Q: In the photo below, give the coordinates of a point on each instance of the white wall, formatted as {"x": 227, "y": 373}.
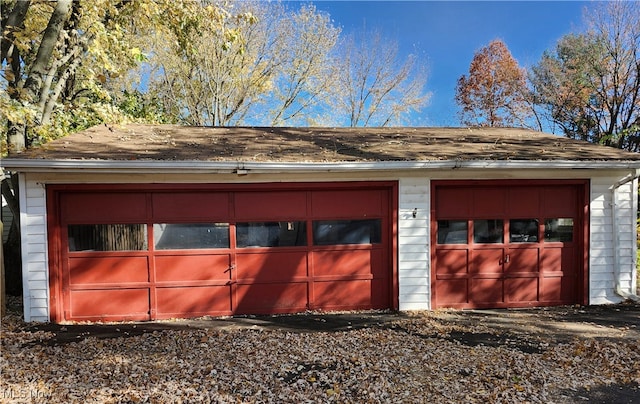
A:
{"x": 613, "y": 239}
{"x": 413, "y": 244}
{"x": 35, "y": 274}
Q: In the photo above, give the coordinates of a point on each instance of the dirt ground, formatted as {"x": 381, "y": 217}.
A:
{"x": 561, "y": 324}
{"x": 526, "y": 332}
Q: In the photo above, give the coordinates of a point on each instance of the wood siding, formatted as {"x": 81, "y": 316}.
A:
{"x": 413, "y": 244}
{"x": 35, "y": 278}
{"x": 605, "y": 250}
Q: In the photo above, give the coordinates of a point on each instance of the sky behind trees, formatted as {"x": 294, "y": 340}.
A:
{"x": 445, "y": 35}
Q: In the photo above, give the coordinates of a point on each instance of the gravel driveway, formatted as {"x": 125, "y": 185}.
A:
{"x": 555, "y": 355}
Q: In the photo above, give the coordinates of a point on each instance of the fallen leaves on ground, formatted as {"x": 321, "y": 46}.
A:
{"x": 412, "y": 359}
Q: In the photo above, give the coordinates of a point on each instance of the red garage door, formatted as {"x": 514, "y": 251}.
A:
{"x": 163, "y": 253}
{"x": 508, "y": 244}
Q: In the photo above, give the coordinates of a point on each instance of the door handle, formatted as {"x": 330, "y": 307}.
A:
{"x": 507, "y": 259}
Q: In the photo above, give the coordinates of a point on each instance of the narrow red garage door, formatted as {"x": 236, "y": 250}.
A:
{"x": 185, "y": 252}
{"x": 508, "y": 244}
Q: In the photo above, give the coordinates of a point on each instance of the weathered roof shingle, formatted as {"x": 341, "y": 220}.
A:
{"x": 274, "y": 144}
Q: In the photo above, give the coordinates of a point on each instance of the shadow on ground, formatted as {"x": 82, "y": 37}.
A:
{"x": 561, "y": 323}
{"x": 611, "y": 394}
{"x": 515, "y": 327}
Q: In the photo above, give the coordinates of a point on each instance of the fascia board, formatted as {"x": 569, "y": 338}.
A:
{"x": 198, "y": 166}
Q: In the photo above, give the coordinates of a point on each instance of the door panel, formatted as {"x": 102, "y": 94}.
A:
{"x": 486, "y": 261}
{"x": 269, "y": 205}
{"x": 558, "y": 259}
{"x": 560, "y": 201}
{"x": 523, "y": 201}
{"x": 111, "y": 207}
{"x": 353, "y": 204}
{"x": 560, "y": 289}
{"x": 271, "y": 266}
{"x": 271, "y": 298}
{"x": 347, "y": 262}
{"x": 486, "y": 291}
{"x": 453, "y": 203}
{"x": 452, "y": 292}
{"x": 193, "y": 268}
{"x": 519, "y": 290}
{"x": 452, "y": 262}
{"x": 109, "y": 305}
{"x": 522, "y": 260}
{"x": 193, "y": 301}
{"x": 178, "y": 206}
{"x": 342, "y": 294}
{"x": 99, "y": 270}
{"x": 489, "y": 202}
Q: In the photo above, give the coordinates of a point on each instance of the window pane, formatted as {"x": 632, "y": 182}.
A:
{"x": 107, "y": 237}
{"x": 271, "y": 234}
{"x": 558, "y": 230}
{"x": 523, "y": 231}
{"x": 452, "y": 232}
{"x": 488, "y": 231}
{"x": 190, "y": 236}
{"x": 329, "y": 232}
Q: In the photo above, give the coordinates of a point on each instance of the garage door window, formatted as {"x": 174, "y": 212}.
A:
{"x": 452, "y": 232}
{"x": 558, "y": 230}
{"x": 331, "y": 232}
{"x": 190, "y": 236}
{"x": 107, "y": 237}
{"x": 488, "y": 231}
{"x": 271, "y": 234}
{"x": 523, "y": 230}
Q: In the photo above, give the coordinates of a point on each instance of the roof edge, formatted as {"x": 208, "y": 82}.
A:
{"x": 243, "y": 167}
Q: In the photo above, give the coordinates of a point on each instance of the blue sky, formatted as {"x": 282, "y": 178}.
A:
{"x": 445, "y": 35}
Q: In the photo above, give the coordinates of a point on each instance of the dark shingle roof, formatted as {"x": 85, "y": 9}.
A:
{"x": 274, "y": 144}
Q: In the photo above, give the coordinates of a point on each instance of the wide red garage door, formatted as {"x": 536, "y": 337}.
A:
{"x": 513, "y": 244}
{"x": 183, "y": 251}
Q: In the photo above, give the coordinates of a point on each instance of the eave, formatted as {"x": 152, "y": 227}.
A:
{"x": 243, "y": 167}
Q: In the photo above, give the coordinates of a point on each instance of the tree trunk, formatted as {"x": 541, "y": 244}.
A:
{"x": 40, "y": 65}
{"x": 17, "y": 140}
{"x": 15, "y": 20}
{"x": 16, "y": 137}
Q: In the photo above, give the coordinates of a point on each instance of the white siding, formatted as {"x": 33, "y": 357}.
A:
{"x": 612, "y": 240}
{"x": 35, "y": 276}
{"x": 413, "y": 244}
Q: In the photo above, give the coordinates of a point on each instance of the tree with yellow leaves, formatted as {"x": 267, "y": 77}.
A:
{"x": 59, "y": 58}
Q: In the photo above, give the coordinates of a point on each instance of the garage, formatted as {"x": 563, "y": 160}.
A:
{"x": 508, "y": 243}
{"x": 140, "y": 253}
{"x": 150, "y": 222}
